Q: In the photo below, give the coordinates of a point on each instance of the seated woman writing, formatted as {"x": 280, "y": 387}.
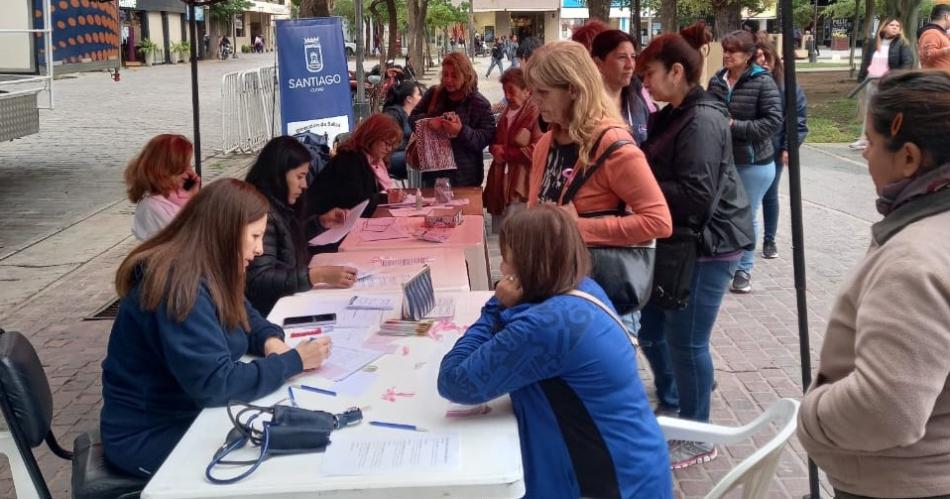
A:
{"x": 280, "y": 174}
{"x": 358, "y": 170}
{"x": 183, "y": 325}
{"x": 585, "y": 422}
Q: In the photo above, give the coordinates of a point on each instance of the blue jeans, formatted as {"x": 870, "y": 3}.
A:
{"x": 676, "y": 342}
{"x": 632, "y": 322}
{"x": 770, "y": 206}
{"x": 756, "y": 179}
{"x": 495, "y": 62}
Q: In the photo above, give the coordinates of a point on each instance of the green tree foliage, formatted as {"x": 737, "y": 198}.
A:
{"x": 225, "y": 11}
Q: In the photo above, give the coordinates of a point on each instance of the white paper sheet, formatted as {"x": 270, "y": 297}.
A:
{"x": 334, "y": 234}
{"x": 403, "y": 450}
{"x": 345, "y": 361}
{"x": 358, "y": 318}
{"x": 355, "y": 385}
{"x": 371, "y": 303}
{"x": 444, "y": 308}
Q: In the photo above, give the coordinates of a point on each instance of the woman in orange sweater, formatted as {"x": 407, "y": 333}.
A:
{"x": 621, "y": 203}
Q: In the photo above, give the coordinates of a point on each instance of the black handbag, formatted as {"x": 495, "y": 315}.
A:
{"x": 624, "y": 272}
{"x": 676, "y": 258}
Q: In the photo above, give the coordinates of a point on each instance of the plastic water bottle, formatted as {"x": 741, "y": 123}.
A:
{"x": 443, "y": 190}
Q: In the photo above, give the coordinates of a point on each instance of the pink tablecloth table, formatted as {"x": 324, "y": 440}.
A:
{"x": 390, "y": 268}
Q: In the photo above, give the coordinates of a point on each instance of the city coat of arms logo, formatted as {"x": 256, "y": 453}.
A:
{"x": 313, "y": 53}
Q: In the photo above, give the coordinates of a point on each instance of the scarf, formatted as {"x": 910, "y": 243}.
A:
{"x": 897, "y": 193}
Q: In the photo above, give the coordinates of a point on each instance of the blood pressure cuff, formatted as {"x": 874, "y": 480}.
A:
{"x": 294, "y": 430}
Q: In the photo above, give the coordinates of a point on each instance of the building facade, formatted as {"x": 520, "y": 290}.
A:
{"x": 524, "y": 18}
{"x": 163, "y": 22}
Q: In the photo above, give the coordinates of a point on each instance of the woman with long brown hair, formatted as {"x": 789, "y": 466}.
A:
{"x": 183, "y": 325}
{"x": 358, "y": 171}
{"x": 463, "y": 114}
{"x": 160, "y": 180}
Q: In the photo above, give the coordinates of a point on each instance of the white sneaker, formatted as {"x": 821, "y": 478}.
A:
{"x": 859, "y": 144}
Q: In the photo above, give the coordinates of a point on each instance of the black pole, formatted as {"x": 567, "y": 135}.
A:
{"x": 193, "y": 29}
{"x": 795, "y": 194}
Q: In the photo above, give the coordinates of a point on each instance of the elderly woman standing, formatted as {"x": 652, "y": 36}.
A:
{"x": 620, "y": 204}
{"x": 518, "y": 131}
{"x": 755, "y": 109}
{"x": 464, "y": 114}
{"x": 877, "y": 416}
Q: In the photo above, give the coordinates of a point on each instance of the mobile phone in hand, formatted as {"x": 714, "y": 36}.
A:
{"x": 189, "y": 184}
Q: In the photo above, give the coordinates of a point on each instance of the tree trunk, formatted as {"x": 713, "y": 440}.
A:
{"x": 417, "y": 34}
{"x": 393, "y": 28}
{"x": 429, "y": 62}
{"x": 908, "y": 12}
{"x": 727, "y": 19}
{"x": 599, "y": 9}
{"x": 668, "y": 16}
{"x": 635, "y": 22}
{"x": 316, "y": 8}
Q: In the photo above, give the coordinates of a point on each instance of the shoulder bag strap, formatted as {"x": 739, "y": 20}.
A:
{"x": 579, "y": 180}
{"x": 715, "y": 204}
{"x": 613, "y": 315}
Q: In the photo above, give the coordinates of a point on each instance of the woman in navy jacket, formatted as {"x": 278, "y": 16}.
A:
{"x": 183, "y": 325}
{"x": 585, "y": 423}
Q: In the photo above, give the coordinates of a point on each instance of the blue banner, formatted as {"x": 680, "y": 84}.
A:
{"x": 314, "y": 83}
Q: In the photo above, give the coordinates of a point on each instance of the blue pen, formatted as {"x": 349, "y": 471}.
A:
{"x": 316, "y": 390}
{"x": 397, "y": 426}
{"x": 290, "y": 392}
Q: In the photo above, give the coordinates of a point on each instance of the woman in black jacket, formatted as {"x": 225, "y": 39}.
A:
{"x": 464, "y": 114}
{"x": 755, "y": 109}
{"x": 689, "y": 148}
{"x": 885, "y": 52}
{"x": 280, "y": 174}
{"x": 400, "y": 102}
{"x": 358, "y": 171}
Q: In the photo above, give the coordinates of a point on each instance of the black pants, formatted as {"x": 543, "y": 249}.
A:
{"x": 839, "y": 494}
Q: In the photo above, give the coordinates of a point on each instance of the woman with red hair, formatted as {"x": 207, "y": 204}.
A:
{"x": 358, "y": 171}
{"x": 160, "y": 180}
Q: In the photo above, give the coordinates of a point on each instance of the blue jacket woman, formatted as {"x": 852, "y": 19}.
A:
{"x": 585, "y": 423}
{"x": 183, "y": 323}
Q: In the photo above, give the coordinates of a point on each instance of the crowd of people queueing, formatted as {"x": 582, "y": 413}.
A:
{"x": 582, "y": 158}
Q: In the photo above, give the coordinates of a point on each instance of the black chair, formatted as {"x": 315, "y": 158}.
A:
{"x": 27, "y": 406}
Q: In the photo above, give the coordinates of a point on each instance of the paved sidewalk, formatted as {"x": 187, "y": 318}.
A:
{"x": 755, "y": 344}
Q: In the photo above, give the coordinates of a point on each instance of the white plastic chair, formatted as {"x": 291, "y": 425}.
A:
{"x": 755, "y": 472}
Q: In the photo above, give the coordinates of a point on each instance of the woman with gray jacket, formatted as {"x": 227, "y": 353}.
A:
{"x": 755, "y": 110}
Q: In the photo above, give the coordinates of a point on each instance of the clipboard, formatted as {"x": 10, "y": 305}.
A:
{"x": 418, "y": 295}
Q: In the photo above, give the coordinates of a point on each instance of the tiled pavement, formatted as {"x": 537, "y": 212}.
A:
{"x": 755, "y": 344}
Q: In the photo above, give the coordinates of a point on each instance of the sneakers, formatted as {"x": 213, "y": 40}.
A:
{"x": 741, "y": 282}
{"x": 859, "y": 144}
{"x": 769, "y": 250}
{"x": 684, "y": 453}
{"x": 665, "y": 410}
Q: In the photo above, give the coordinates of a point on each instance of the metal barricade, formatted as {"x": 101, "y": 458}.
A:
{"x": 255, "y": 121}
{"x": 271, "y": 98}
{"x": 232, "y": 115}
{"x": 250, "y": 113}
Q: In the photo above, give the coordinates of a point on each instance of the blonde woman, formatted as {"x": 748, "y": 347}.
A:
{"x": 619, "y": 203}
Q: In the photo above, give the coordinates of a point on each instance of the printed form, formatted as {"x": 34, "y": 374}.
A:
{"x": 403, "y": 451}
